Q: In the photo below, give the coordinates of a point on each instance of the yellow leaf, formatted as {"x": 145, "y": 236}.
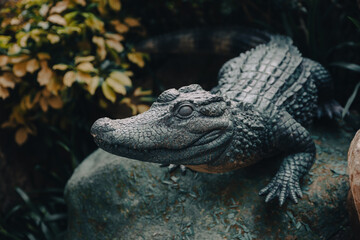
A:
{"x": 128, "y": 103}
{"x": 43, "y": 56}
{"x": 59, "y": 7}
{"x": 121, "y": 78}
{"x": 18, "y": 59}
{"x": 57, "y": 19}
{"x": 21, "y": 136}
{"x": 3, "y": 60}
{"x": 60, "y": 66}
{"x": 45, "y": 74}
{"x": 46, "y": 93}
{"x": 19, "y": 69}
{"x": 55, "y": 102}
{"x": 17, "y": 115}
{"x": 37, "y": 98}
{"x": 94, "y": 23}
{"x": 117, "y": 46}
{"x": 53, "y": 86}
{"x": 4, "y": 93}
{"x": 85, "y": 67}
{"x": 22, "y": 38}
{"x": 142, "y": 108}
{"x": 117, "y": 86}
{"x": 43, "y": 104}
{"x": 81, "y": 2}
{"x": 8, "y": 124}
{"x": 119, "y": 27}
{"x": 14, "y": 49}
{"x": 83, "y": 77}
{"x": 115, "y": 5}
{"x": 32, "y": 65}
{"x": 100, "y": 43}
{"x": 12, "y": 77}
{"x": 7, "y": 80}
{"x": 101, "y": 7}
{"x": 36, "y": 34}
{"x": 84, "y": 59}
{"x": 132, "y": 22}
{"x": 124, "y": 65}
{"x": 6, "y": 68}
{"x": 69, "y": 30}
{"x": 30, "y": 104}
{"x": 140, "y": 92}
{"x": 43, "y": 25}
{"x": 136, "y": 58}
{"x": 108, "y": 92}
{"x": 103, "y": 103}
{"x": 4, "y": 40}
{"x": 44, "y": 9}
{"x": 129, "y": 73}
{"x": 69, "y": 78}
{"x": 15, "y": 21}
{"x": 114, "y": 36}
{"x": 53, "y": 38}
{"x": 93, "y": 85}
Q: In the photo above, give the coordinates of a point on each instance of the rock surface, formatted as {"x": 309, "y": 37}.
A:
{"x": 111, "y": 197}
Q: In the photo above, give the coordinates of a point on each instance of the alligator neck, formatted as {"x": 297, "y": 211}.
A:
{"x": 249, "y": 135}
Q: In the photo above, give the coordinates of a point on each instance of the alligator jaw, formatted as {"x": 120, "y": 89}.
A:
{"x": 203, "y": 148}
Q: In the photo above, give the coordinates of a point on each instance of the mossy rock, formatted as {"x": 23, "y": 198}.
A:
{"x": 111, "y": 197}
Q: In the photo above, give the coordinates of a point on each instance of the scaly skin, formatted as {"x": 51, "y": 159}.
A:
{"x": 264, "y": 98}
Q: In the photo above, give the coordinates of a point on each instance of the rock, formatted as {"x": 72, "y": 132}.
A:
{"x": 354, "y": 177}
{"x": 111, "y": 197}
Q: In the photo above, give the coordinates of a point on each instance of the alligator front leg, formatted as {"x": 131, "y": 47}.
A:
{"x": 294, "y": 140}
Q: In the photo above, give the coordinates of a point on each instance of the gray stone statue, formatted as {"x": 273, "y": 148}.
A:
{"x": 259, "y": 109}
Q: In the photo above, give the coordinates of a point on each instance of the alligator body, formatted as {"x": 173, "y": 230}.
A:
{"x": 259, "y": 109}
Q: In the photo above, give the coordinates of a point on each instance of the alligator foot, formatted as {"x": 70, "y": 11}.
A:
{"x": 330, "y": 108}
{"x": 173, "y": 167}
{"x": 282, "y": 186}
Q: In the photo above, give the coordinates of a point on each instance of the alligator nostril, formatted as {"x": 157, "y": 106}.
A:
{"x": 101, "y": 125}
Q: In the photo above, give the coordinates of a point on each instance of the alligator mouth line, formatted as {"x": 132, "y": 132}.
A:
{"x": 204, "y": 139}
{"x": 207, "y": 138}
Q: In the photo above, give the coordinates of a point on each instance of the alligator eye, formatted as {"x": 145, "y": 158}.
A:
{"x": 185, "y": 111}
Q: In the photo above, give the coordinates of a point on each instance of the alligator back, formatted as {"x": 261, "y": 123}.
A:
{"x": 271, "y": 76}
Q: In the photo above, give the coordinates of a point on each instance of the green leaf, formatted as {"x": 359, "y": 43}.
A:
{"x": 69, "y": 17}
{"x": 55, "y": 217}
{"x": 350, "y": 100}
{"x": 23, "y": 195}
{"x": 108, "y": 92}
{"x": 356, "y": 22}
{"x": 346, "y": 65}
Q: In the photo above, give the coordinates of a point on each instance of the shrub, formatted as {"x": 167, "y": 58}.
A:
{"x": 49, "y": 47}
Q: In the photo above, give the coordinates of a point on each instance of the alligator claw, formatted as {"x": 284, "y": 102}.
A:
{"x": 330, "y": 108}
{"x": 282, "y": 187}
{"x": 173, "y": 167}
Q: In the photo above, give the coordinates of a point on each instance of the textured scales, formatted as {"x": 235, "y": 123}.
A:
{"x": 258, "y": 110}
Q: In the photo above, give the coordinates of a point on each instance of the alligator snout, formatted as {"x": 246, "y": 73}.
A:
{"x": 102, "y": 125}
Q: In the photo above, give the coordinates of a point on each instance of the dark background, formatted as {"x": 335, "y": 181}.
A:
{"x": 33, "y": 176}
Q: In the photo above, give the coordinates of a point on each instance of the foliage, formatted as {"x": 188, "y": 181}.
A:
{"x": 41, "y": 217}
{"x": 46, "y": 47}
{"x": 352, "y": 67}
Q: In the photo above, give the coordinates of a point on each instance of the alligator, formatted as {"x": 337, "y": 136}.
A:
{"x": 264, "y": 99}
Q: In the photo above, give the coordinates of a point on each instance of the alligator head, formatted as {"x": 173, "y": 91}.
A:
{"x": 185, "y": 126}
